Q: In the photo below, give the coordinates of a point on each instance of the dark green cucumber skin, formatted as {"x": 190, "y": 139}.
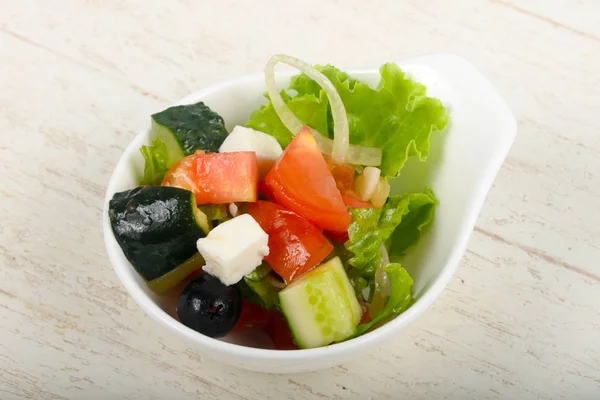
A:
{"x": 155, "y": 227}
{"x": 195, "y": 126}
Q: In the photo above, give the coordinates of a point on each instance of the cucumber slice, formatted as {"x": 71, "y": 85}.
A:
{"x": 157, "y": 228}
{"x": 174, "y": 277}
{"x": 188, "y": 128}
{"x": 321, "y": 306}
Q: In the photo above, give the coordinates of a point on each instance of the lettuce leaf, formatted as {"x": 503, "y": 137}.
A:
{"x": 311, "y": 109}
{"x": 215, "y": 212}
{"x": 255, "y": 288}
{"x": 401, "y": 219}
{"x": 397, "y": 117}
{"x": 259, "y": 272}
{"x": 156, "y": 157}
{"x": 358, "y": 282}
{"x": 264, "y": 294}
{"x": 421, "y": 210}
{"x": 400, "y": 296}
{"x": 369, "y": 229}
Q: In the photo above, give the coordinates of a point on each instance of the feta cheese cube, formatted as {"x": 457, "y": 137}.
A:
{"x": 265, "y": 146}
{"x": 234, "y": 249}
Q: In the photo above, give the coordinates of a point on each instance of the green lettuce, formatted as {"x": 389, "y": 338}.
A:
{"x": 358, "y": 282}
{"x": 396, "y": 117}
{"x": 310, "y": 109}
{"x": 156, "y": 157}
{"x": 215, "y": 214}
{"x": 399, "y": 222}
{"x": 421, "y": 210}
{"x": 400, "y": 296}
{"x": 256, "y": 288}
{"x": 264, "y": 294}
{"x": 259, "y": 272}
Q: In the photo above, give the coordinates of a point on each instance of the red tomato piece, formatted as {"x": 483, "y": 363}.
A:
{"x": 265, "y": 191}
{"x": 351, "y": 201}
{"x": 252, "y": 316}
{"x": 365, "y": 317}
{"x": 340, "y": 237}
{"x": 343, "y": 174}
{"x": 295, "y": 245}
{"x": 279, "y": 332}
{"x": 216, "y": 178}
{"x": 264, "y": 165}
{"x": 301, "y": 182}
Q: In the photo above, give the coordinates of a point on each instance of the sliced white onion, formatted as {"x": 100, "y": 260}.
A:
{"x": 385, "y": 257}
{"x": 272, "y": 281}
{"x": 339, "y": 148}
{"x": 357, "y": 155}
{"x": 382, "y": 285}
{"x": 233, "y": 209}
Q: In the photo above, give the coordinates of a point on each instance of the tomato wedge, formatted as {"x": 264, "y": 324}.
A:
{"x": 343, "y": 174}
{"x": 265, "y": 191}
{"x": 216, "y": 178}
{"x": 352, "y": 201}
{"x": 301, "y": 182}
{"x": 295, "y": 245}
{"x": 279, "y": 332}
{"x": 340, "y": 237}
{"x": 252, "y": 316}
{"x": 365, "y": 316}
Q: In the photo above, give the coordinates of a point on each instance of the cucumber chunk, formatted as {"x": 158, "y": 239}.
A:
{"x": 321, "y": 306}
{"x": 188, "y": 128}
{"x": 157, "y": 228}
{"x": 166, "y": 282}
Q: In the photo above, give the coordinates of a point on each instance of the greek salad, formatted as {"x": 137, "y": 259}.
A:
{"x": 284, "y": 224}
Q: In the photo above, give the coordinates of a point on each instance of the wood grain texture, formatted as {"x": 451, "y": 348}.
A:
{"x": 521, "y": 318}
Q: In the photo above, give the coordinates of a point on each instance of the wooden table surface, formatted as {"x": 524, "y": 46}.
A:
{"x": 78, "y": 79}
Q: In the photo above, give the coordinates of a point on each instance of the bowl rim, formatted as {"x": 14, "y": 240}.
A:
{"x": 365, "y": 341}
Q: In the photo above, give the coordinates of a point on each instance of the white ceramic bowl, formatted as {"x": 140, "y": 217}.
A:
{"x": 462, "y": 165}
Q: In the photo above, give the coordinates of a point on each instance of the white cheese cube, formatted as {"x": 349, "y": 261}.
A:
{"x": 234, "y": 249}
{"x": 265, "y": 146}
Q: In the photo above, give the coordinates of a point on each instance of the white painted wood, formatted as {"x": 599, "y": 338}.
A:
{"x": 521, "y": 319}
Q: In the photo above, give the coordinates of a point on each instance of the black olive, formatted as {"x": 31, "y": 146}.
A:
{"x": 208, "y": 306}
